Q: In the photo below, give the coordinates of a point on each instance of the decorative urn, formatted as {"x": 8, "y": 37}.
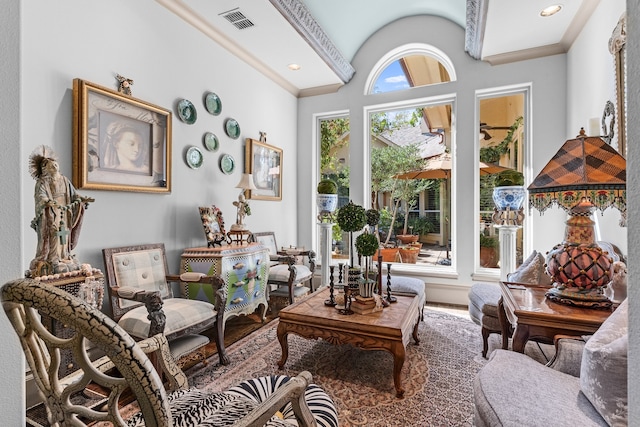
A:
{"x": 327, "y": 197}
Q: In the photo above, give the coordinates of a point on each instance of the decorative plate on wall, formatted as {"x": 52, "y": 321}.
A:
{"x": 213, "y": 103}
{"x": 232, "y": 128}
{"x": 227, "y": 164}
{"x": 210, "y": 141}
{"x": 187, "y": 112}
{"x": 194, "y": 157}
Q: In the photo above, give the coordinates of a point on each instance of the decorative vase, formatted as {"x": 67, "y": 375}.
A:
{"x": 367, "y": 288}
{"x": 327, "y": 203}
{"x": 354, "y": 277}
{"x": 509, "y": 197}
{"x": 409, "y": 255}
{"x": 388, "y": 254}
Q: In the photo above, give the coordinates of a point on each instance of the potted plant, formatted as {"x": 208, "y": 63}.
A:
{"x": 327, "y": 197}
{"x": 350, "y": 218}
{"x": 367, "y": 244}
{"x": 489, "y": 251}
{"x": 508, "y": 190}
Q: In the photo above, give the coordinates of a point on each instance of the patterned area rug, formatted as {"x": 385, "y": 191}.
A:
{"x": 437, "y": 374}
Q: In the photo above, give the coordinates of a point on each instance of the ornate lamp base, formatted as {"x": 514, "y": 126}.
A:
{"x": 569, "y": 296}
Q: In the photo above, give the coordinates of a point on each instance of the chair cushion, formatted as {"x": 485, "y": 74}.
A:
{"x": 180, "y": 313}
{"x": 320, "y": 404}
{"x": 512, "y": 389}
{"x": 280, "y": 273}
{"x": 187, "y": 344}
{"x": 194, "y": 407}
{"x": 406, "y": 285}
{"x": 531, "y": 271}
{"x": 483, "y": 301}
{"x": 603, "y": 373}
{"x": 144, "y": 269}
{"x": 283, "y": 291}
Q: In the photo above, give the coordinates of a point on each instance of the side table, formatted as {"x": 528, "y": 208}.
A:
{"x": 534, "y": 316}
{"x": 244, "y": 268}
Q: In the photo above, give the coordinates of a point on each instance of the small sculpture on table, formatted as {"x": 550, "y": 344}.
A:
{"x": 58, "y": 217}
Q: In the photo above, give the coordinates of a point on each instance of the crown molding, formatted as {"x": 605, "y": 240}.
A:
{"x": 299, "y": 17}
{"x": 474, "y": 31}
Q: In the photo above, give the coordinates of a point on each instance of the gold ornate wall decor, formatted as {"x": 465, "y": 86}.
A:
{"x": 617, "y": 47}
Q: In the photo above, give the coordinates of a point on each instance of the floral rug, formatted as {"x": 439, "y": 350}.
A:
{"x": 437, "y": 374}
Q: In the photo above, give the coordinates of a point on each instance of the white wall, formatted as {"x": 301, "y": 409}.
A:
{"x": 45, "y": 45}
{"x": 11, "y": 221}
{"x": 589, "y": 61}
{"x": 546, "y": 75}
{"x": 168, "y": 60}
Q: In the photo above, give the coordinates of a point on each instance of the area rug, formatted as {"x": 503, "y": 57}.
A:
{"x": 437, "y": 374}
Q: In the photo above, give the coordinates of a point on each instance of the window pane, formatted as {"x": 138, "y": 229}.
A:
{"x": 411, "y": 71}
{"x": 410, "y": 180}
{"x": 501, "y": 135}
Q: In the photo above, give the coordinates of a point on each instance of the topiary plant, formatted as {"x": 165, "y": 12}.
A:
{"x": 367, "y": 244}
{"x": 351, "y": 217}
{"x": 373, "y": 217}
{"x": 509, "y": 177}
{"x": 327, "y": 186}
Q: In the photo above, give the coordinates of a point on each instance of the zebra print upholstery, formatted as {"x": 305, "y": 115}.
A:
{"x": 24, "y": 300}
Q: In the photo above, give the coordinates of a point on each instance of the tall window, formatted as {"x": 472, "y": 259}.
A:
{"x": 501, "y": 145}
{"x": 411, "y": 172}
{"x": 334, "y": 165}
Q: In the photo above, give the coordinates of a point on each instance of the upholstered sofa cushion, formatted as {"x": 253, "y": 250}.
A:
{"x": 512, "y": 389}
{"x": 603, "y": 373}
{"x": 405, "y": 285}
{"x": 531, "y": 271}
{"x": 181, "y": 314}
{"x": 483, "y": 300}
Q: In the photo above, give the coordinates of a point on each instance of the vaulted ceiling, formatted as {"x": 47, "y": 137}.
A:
{"x": 322, "y": 36}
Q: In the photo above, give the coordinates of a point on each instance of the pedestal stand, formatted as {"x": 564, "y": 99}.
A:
{"x": 325, "y": 251}
{"x": 507, "y": 222}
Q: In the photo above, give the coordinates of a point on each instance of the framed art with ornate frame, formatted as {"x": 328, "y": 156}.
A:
{"x": 120, "y": 143}
{"x": 264, "y": 162}
{"x": 617, "y": 47}
{"x": 213, "y": 224}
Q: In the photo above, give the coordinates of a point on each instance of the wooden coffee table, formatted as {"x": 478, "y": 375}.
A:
{"x": 534, "y": 316}
{"x": 389, "y": 329}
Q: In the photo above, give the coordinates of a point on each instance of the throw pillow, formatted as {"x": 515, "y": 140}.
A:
{"x": 531, "y": 271}
{"x": 603, "y": 373}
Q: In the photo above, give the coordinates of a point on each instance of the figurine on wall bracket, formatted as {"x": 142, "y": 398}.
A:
{"x": 59, "y": 210}
{"x": 124, "y": 85}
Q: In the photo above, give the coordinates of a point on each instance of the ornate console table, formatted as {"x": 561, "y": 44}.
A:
{"x": 244, "y": 268}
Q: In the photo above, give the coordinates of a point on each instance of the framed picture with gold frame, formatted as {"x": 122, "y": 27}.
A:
{"x": 264, "y": 162}
{"x": 120, "y": 143}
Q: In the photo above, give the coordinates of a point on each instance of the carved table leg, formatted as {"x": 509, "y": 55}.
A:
{"x": 520, "y": 338}
{"x": 398, "y": 352}
{"x": 284, "y": 344}
{"x": 415, "y": 330}
{"x": 504, "y": 324}
{"x": 219, "y": 337}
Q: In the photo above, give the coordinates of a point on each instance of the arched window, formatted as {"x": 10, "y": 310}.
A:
{"x": 408, "y": 66}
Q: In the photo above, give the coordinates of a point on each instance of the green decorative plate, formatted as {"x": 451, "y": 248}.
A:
{"x": 213, "y": 103}
{"x": 210, "y": 141}
{"x": 187, "y": 112}
{"x": 227, "y": 164}
{"x": 194, "y": 157}
{"x": 232, "y": 128}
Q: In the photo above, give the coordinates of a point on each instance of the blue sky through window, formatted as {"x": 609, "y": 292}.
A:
{"x": 391, "y": 79}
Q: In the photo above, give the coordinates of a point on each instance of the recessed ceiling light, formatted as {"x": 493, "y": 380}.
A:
{"x": 551, "y": 10}
{"x": 294, "y": 67}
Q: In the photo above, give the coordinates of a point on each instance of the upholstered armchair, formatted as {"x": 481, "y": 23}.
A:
{"x": 143, "y": 303}
{"x": 126, "y": 366}
{"x": 288, "y": 270}
{"x": 514, "y": 390}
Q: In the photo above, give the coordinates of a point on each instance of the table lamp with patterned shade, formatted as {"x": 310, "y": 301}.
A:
{"x": 584, "y": 175}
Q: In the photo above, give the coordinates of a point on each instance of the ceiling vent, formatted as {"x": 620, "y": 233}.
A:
{"x": 237, "y": 18}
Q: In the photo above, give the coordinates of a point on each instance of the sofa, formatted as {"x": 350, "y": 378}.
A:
{"x": 584, "y": 385}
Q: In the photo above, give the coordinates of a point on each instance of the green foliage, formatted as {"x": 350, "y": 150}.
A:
{"x": 488, "y": 241}
{"x": 508, "y": 177}
{"x": 351, "y": 217}
{"x": 367, "y": 244}
{"x": 327, "y": 186}
{"x": 492, "y": 154}
{"x": 332, "y": 138}
{"x": 373, "y": 217}
{"x": 421, "y": 225}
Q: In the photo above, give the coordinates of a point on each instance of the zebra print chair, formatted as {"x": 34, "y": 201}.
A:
{"x": 126, "y": 366}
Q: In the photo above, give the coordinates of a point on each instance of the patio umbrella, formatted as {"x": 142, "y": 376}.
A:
{"x": 439, "y": 167}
